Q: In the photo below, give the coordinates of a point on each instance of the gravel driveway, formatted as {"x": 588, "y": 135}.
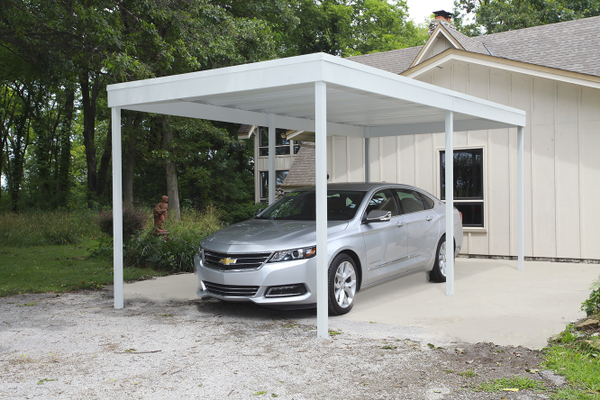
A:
{"x": 76, "y": 346}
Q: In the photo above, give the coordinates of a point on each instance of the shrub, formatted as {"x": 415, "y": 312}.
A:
{"x": 175, "y": 253}
{"x": 134, "y": 220}
{"x": 591, "y": 306}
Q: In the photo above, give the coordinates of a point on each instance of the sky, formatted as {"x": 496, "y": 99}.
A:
{"x": 418, "y": 10}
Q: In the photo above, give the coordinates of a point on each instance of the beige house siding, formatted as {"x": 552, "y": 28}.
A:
{"x": 562, "y": 162}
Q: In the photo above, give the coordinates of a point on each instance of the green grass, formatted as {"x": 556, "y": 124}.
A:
{"x": 506, "y": 384}
{"x": 57, "y": 269}
{"x": 468, "y": 373}
{"x": 52, "y": 251}
{"x": 38, "y": 228}
{"x": 571, "y": 357}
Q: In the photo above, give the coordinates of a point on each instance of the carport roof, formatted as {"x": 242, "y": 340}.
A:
{"x": 358, "y": 97}
{"x": 318, "y": 93}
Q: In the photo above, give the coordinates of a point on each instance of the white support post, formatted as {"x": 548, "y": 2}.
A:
{"x": 520, "y": 200}
{"x": 321, "y": 203}
{"x": 272, "y": 178}
{"x": 367, "y": 158}
{"x": 449, "y": 178}
{"x": 117, "y": 170}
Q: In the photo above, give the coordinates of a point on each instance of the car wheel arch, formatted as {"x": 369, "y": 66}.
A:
{"x": 357, "y": 262}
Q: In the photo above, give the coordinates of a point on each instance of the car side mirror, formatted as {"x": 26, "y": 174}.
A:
{"x": 379, "y": 216}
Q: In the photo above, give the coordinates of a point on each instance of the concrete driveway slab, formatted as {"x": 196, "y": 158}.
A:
{"x": 493, "y": 301}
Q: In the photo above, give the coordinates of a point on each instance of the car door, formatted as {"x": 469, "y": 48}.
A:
{"x": 385, "y": 241}
{"x": 422, "y": 225}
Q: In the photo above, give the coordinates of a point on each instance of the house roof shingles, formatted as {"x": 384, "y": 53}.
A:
{"x": 571, "y": 46}
{"x": 302, "y": 172}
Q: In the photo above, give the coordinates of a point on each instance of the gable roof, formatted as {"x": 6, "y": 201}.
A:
{"x": 441, "y": 29}
{"x": 571, "y": 46}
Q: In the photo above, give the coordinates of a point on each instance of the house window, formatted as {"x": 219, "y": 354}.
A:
{"x": 282, "y": 145}
{"x": 468, "y": 185}
{"x": 264, "y": 182}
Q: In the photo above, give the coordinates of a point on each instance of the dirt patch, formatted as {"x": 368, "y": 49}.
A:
{"x": 78, "y": 346}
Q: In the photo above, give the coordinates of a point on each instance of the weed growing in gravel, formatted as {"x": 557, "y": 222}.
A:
{"x": 468, "y": 373}
{"x": 42, "y": 381}
{"x": 515, "y": 383}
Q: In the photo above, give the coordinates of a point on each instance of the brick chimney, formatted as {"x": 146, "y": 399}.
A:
{"x": 444, "y": 15}
{"x": 441, "y": 17}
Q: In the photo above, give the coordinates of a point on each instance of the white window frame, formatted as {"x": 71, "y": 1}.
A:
{"x": 484, "y": 201}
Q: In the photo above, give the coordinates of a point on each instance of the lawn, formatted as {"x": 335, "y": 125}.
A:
{"x": 59, "y": 268}
{"x": 61, "y": 251}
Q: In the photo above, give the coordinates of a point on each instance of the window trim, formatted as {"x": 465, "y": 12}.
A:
{"x": 290, "y": 145}
{"x": 260, "y": 173}
{"x": 484, "y": 201}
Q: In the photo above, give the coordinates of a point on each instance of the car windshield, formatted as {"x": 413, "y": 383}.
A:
{"x": 300, "y": 205}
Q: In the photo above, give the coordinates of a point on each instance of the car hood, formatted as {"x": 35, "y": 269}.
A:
{"x": 268, "y": 235}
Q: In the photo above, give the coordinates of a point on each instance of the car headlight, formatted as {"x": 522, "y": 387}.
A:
{"x": 296, "y": 254}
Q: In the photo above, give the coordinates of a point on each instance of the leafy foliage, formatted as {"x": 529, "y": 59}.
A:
{"x": 352, "y": 27}
{"x": 493, "y": 16}
{"x": 173, "y": 254}
{"x": 57, "y": 56}
{"x": 134, "y": 220}
{"x": 591, "y": 305}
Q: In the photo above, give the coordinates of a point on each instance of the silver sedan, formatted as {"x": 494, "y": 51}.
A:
{"x": 376, "y": 232}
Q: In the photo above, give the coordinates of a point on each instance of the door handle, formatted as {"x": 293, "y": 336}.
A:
{"x": 400, "y": 224}
{"x": 429, "y": 218}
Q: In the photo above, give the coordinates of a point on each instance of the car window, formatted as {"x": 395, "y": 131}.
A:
{"x": 300, "y": 205}
{"x": 428, "y": 201}
{"x": 410, "y": 201}
{"x": 383, "y": 200}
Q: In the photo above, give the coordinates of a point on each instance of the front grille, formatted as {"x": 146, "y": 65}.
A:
{"x": 234, "y": 261}
{"x": 230, "y": 290}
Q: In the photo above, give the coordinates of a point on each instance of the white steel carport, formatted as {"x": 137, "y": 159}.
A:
{"x": 318, "y": 93}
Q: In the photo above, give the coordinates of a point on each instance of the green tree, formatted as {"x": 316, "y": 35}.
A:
{"x": 352, "y": 27}
{"x": 492, "y": 16}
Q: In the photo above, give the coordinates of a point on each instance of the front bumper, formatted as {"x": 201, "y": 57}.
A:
{"x": 252, "y": 285}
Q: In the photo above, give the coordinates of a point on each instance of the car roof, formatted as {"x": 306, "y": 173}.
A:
{"x": 367, "y": 187}
{"x": 359, "y": 186}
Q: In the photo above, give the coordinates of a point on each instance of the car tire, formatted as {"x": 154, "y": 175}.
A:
{"x": 342, "y": 283}
{"x": 438, "y": 272}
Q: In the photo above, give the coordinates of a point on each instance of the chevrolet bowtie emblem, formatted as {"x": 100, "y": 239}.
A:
{"x": 228, "y": 261}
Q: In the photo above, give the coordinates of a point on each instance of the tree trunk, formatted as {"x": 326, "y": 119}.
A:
{"x": 172, "y": 188}
{"x": 64, "y": 159}
{"x": 2, "y": 145}
{"x": 89, "y": 121}
{"x": 105, "y": 162}
{"x": 131, "y": 125}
